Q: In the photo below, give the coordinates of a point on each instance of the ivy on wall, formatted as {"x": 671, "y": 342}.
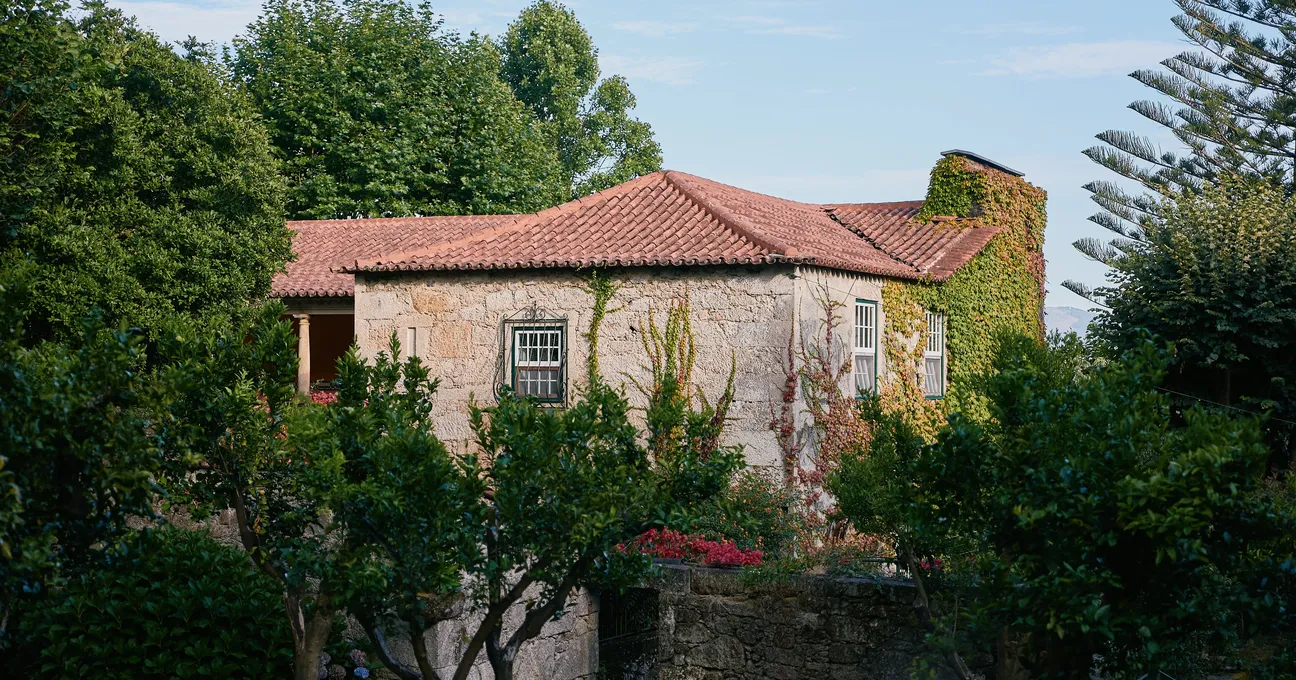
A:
{"x": 1001, "y": 289}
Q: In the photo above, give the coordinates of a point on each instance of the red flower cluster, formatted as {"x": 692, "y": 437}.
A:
{"x": 323, "y": 397}
{"x": 675, "y": 545}
{"x": 933, "y": 563}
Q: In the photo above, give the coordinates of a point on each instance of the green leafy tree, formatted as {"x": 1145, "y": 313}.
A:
{"x": 1216, "y": 275}
{"x": 1099, "y": 527}
{"x": 138, "y": 182}
{"x": 376, "y": 111}
{"x": 552, "y": 65}
{"x": 257, "y": 449}
{"x": 877, "y": 489}
{"x": 567, "y": 487}
{"x": 411, "y": 513}
{"x": 82, "y": 438}
{"x": 1230, "y": 102}
{"x": 169, "y": 604}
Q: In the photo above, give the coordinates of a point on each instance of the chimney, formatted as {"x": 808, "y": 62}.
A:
{"x": 978, "y": 158}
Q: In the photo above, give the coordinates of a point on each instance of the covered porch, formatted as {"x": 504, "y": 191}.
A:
{"x": 325, "y": 329}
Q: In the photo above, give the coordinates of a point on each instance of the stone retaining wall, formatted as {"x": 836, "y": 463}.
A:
{"x": 712, "y": 627}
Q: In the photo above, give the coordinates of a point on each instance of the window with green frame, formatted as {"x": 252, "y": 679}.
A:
{"x": 866, "y": 347}
{"x": 537, "y": 362}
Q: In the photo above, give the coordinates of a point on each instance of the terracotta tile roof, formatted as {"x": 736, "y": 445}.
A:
{"x": 938, "y": 248}
{"x": 324, "y": 247}
{"x": 662, "y": 219}
{"x": 673, "y": 218}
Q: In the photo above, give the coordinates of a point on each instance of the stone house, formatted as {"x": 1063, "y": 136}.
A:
{"x": 495, "y": 300}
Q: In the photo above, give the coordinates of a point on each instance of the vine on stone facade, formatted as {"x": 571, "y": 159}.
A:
{"x": 678, "y": 409}
{"x": 1000, "y": 289}
{"x": 602, "y": 289}
{"x": 815, "y": 370}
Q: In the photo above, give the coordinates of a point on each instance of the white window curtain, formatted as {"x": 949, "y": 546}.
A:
{"x": 865, "y": 351}
{"x": 933, "y": 378}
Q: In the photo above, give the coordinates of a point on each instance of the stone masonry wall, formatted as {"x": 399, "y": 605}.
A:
{"x": 739, "y": 312}
{"x": 712, "y": 627}
{"x": 566, "y": 649}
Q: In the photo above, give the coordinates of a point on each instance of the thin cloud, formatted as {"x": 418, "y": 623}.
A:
{"x": 758, "y": 20}
{"x": 825, "y": 32}
{"x": 1021, "y": 28}
{"x": 668, "y": 70}
{"x": 217, "y": 21}
{"x": 1079, "y": 60}
{"x": 655, "y": 29}
{"x": 766, "y": 25}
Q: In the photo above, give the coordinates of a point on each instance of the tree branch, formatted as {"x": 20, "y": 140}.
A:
{"x": 379, "y": 641}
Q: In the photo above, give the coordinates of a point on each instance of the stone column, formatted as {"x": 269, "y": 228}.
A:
{"x": 303, "y": 353}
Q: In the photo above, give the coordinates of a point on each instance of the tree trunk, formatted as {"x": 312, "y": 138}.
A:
{"x": 1008, "y": 661}
{"x": 501, "y": 658}
{"x": 309, "y": 637}
{"x": 384, "y": 654}
{"x": 418, "y": 636}
{"x": 922, "y": 608}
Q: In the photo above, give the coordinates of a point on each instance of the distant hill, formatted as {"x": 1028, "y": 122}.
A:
{"x": 1065, "y": 319}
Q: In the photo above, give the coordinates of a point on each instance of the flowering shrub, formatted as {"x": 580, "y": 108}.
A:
{"x": 669, "y": 544}
{"x": 324, "y": 397}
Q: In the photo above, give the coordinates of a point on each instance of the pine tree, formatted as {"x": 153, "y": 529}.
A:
{"x": 1232, "y": 105}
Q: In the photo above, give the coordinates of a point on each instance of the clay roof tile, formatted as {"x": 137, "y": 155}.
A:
{"x": 664, "y": 218}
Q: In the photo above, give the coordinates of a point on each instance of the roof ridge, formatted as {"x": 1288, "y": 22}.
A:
{"x": 728, "y": 218}
{"x": 871, "y": 241}
{"x": 403, "y": 218}
{"x": 523, "y": 220}
{"x": 873, "y": 204}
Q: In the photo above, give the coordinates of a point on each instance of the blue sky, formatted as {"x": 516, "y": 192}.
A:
{"x": 852, "y": 101}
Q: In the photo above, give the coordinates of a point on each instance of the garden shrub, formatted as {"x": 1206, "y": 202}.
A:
{"x": 756, "y": 512}
{"x": 1107, "y": 523}
{"x": 172, "y": 604}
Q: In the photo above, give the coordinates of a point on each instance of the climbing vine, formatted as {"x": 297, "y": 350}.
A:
{"x": 1000, "y": 289}
{"x": 815, "y": 369}
{"x": 602, "y": 289}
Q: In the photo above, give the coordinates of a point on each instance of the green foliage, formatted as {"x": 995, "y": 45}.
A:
{"x": 138, "y": 182}
{"x": 376, "y": 111}
{"x": 411, "y": 513}
{"x": 1000, "y": 290}
{"x": 874, "y": 488}
{"x": 953, "y": 191}
{"x": 684, "y": 429}
{"x": 1231, "y": 105}
{"x": 1217, "y": 277}
{"x": 567, "y": 487}
{"x": 259, "y": 449}
{"x": 601, "y": 289}
{"x": 1100, "y": 527}
{"x": 757, "y": 512}
{"x": 550, "y": 62}
{"x": 171, "y": 604}
{"x": 82, "y": 438}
